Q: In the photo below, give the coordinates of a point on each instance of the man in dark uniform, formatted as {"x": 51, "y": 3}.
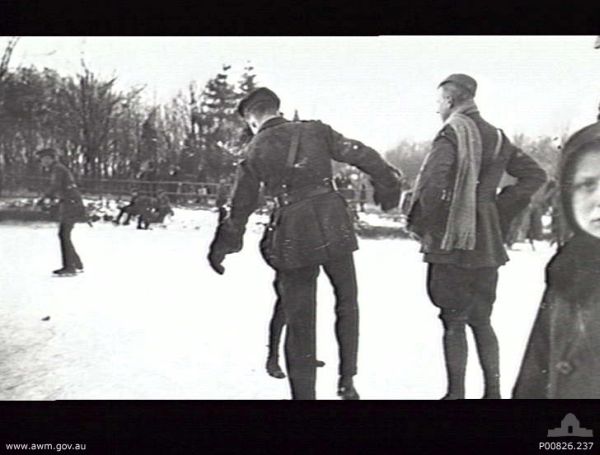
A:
{"x": 70, "y": 209}
{"x": 130, "y": 209}
{"x": 461, "y": 223}
{"x": 145, "y": 208}
{"x": 310, "y": 228}
{"x": 163, "y": 206}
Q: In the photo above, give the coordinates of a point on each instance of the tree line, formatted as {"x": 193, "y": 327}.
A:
{"x": 105, "y": 133}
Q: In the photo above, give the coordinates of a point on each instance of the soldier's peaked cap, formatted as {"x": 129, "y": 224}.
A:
{"x": 463, "y": 80}
{"x": 46, "y": 152}
{"x": 258, "y": 95}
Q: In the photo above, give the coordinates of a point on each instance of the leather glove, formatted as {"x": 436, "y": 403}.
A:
{"x": 388, "y": 197}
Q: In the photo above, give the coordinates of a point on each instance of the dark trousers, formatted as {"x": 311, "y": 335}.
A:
{"x": 143, "y": 222}
{"x": 70, "y": 258}
{"x": 125, "y": 210}
{"x": 297, "y": 293}
{"x": 276, "y": 326}
{"x": 466, "y": 296}
{"x": 462, "y": 294}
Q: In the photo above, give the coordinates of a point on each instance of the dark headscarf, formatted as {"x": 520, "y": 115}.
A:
{"x": 574, "y": 271}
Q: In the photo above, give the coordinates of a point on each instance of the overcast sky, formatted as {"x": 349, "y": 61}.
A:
{"x": 376, "y": 89}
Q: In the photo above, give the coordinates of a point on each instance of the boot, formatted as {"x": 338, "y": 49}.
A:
{"x": 346, "y": 390}
{"x": 66, "y": 271}
{"x": 452, "y": 396}
{"x": 492, "y": 388}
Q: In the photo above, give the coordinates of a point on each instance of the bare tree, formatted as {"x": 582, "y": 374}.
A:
{"x": 6, "y": 56}
{"x": 95, "y": 105}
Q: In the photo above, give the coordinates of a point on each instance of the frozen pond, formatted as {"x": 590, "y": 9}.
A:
{"x": 150, "y": 320}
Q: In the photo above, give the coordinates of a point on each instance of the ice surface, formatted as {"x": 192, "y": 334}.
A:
{"x": 150, "y": 320}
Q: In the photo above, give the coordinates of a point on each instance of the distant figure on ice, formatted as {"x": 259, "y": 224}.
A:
{"x": 562, "y": 357}
{"x": 362, "y": 197}
{"x": 129, "y": 210}
{"x": 162, "y": 207}
{"x": 461, "y": 224}
{"x": 527, "y": 225}
{"x": 145, "y": 207}
{"x": 309, "y": 229}
{"x": 70, "y": 209}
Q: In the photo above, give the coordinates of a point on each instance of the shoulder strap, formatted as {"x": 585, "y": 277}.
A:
{"x": 498, "y": 144}
{"x": 291, "y": 158}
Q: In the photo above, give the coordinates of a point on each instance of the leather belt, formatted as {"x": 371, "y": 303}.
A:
{"x": 286, "y": 199}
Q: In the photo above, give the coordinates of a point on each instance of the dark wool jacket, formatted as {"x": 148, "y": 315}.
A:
{"x": 562, "y": 359}
{"x": 427, "y": 217}
{"x": 63, "y": 187}
{"x": 316, "y": 229}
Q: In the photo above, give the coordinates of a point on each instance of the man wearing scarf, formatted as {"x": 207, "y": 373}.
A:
{"x": 461, "y": 222}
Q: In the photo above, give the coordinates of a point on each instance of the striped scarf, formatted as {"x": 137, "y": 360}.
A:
{"x": 460, "y": 233}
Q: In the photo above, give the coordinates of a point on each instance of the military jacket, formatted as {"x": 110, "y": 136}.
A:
{"x": 63, "y": 187}
{"x": 428, "y": 214}
{"x": 561, "y": 359}
{"x": 316, "y": 229}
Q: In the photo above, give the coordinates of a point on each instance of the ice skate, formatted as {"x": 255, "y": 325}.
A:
{"x": 65, "y": 271}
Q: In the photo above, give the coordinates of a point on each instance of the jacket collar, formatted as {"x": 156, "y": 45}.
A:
{"x": 272, "y": 122}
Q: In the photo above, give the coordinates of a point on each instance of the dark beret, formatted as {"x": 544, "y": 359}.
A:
{"x": 463, "y": 80}
{"x": 46, "y": 152}
{"x": 258, "y": 95}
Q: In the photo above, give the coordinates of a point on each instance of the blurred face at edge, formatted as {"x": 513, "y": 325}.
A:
{"x": 586, "y": 192}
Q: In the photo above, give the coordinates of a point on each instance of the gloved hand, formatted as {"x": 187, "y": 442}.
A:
{"x": 215, "y": 258}
{"x": 388, "y": 197}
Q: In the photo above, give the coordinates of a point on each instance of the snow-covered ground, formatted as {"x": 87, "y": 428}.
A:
{"x": 150, "y": 320}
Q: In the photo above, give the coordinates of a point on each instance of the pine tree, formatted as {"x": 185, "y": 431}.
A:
{"x": 219, "y": 125}
{"x": 247, "y": 82}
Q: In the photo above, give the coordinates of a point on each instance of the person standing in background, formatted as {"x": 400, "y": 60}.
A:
{"x": 70, "y": 209}
{"x": 461, "y": 223}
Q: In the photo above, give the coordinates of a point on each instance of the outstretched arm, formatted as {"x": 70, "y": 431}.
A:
{"x": 385, "y": 178}
{"x": 230, "y": 231}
